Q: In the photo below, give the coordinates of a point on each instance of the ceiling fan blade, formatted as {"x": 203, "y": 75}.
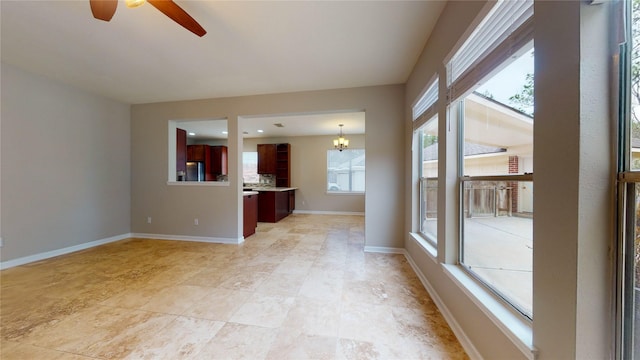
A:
{"x": 175, "y": 12}
{"x": 103, "y": 9}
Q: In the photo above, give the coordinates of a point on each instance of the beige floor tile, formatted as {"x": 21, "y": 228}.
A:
{"x": 220, "y": 304}
{"x": 425, "y": 332}
{"x": 349, "y": 349}
{"x": 294, "y": 265}
{"x": 135, "y": 330}
{"x": 365, "y": 292}
{"x": 313, "y": 317}
{"x": 176, "y": 299}
{"x": 176, "y": 274}
{"x": 183, "y": 337}
{"x": 21, "y": 319}
{"x": 134, "y": 298}
{"x": 370, "y": 323}
{"x": 323, "y": 284}
{"x": 263, "y": 310}
{"x": 293, "y": 346}
{"x": 238, "y": 341}
{"x": 20, "y": 351}
{"x": 300, "y": 289}
{"x": 208, "y": 277}
{"x": 81, "y": 330}
{"x": 282, "y": 284}
{"x": 247, "y": 280}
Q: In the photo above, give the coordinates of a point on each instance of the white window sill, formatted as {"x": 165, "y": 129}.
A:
{"x": 345, "y": 192}
{"x": 513, "y": 325}
{"x": 428, "y": 247}
{"x": 198, "y": 183}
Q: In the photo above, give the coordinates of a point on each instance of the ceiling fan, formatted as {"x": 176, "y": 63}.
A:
{"x": 104, "y": 10}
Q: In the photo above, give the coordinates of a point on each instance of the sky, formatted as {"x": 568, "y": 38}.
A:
{"x": 510, "y": 80}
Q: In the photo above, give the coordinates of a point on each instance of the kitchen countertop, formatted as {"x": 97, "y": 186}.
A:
{"x": 257, "y": 188}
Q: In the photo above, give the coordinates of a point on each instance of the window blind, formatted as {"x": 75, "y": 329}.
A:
{"x": 506, "y": 29}
{"x": 424, "y": 108}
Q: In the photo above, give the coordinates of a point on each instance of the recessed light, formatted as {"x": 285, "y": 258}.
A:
{"x": 260, "y": 131}
{"x": 192, "y": 134}
{"x": 225, "y": 132}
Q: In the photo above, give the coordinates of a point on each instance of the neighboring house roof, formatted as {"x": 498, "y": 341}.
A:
{"x": 635, "y": 143}
{"x": 470, "y": 149}
{"x": 357, "y": 161}
{"x": 502, "y": 104}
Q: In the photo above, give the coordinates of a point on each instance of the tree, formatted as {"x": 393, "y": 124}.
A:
{"x": 428, "y": 140}
{"x": 523, "y": 100}
{"x": 635, "y": 69}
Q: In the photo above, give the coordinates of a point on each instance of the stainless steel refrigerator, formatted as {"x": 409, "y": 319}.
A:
{"x": 195, "y": 171}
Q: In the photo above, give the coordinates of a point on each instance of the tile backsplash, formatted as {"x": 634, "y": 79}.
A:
{"x": 267, "y": 180}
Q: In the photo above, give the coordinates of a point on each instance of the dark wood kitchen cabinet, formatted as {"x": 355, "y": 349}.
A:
{"x": 275, "y": 159}
{"x": 250, "y": 213}
{"x": 283, "y": 165}
{"x": 218, "y": 162}
{"x": 197, "y": 152}
{"x": 292, "y": 200}
{"x": 266, "y": 158}
{"x": 274, "y": 206}
{"x": 181, "y": 153}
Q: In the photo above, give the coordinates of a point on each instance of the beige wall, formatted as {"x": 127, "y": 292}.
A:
{"x": 573, "y": 231}
{"x": 218, "y": 208}
{"x": 309, "y": 172}
{"x": 65, "y": 166}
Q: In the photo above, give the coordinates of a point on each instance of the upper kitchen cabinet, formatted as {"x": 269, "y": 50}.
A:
{"x": 267, "y": 159}
{"x": 197, "y": 153}
{"x": 275, "y": 159}
{"x": 283, "y": 165}
{"x": 218, "y": 162}
{"x": 181, "y": 153}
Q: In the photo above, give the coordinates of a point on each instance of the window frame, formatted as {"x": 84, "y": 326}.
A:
{"x": 514, "y": 42}
{"x": 422, "y": 183}
{"x": 627, "y": 181}
{"x": 342, "y": 192}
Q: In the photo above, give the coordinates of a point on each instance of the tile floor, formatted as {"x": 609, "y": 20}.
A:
{"x": 299, "y": 289}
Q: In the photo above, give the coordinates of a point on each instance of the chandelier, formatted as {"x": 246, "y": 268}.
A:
{"x": 341, "y": 143}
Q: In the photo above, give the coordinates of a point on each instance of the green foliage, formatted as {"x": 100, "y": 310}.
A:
{"x": 523, "y": 100}
{"x": 487, "y": 94}
{"x": 635, "y": 69}
{"x": 428, "y": 140}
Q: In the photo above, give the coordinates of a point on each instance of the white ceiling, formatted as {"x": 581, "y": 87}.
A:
{"x": 292, "y": 125}
{"x": 251, "y": 47}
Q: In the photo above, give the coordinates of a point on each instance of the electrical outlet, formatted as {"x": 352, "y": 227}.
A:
{"x": 195, "y": 221}
{"x": 148, "y": 219}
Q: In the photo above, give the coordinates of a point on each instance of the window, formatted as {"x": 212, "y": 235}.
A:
{"x": 629, "y": 187}
{"x": 491, "y": 91}
{"x": 424, "y": 107}
{"x": 345, "y": 171}
{"x": 250, "y": 167}
{"x": 425, "y": 125}
{"x": 428, "y": 173}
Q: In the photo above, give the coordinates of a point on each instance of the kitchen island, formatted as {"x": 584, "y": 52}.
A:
{"x": 274, "y": 203}
{"x": 250, "y": 220}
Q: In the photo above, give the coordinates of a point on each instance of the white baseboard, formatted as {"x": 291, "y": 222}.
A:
{"x": 214, "y": 240}
{"x": 58, "y": 252}
{"x": 383, "y": 250}
{"x": 466, "y": 343}
{"x": 68, "y": 250}
{"x": 316, "y": 212}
